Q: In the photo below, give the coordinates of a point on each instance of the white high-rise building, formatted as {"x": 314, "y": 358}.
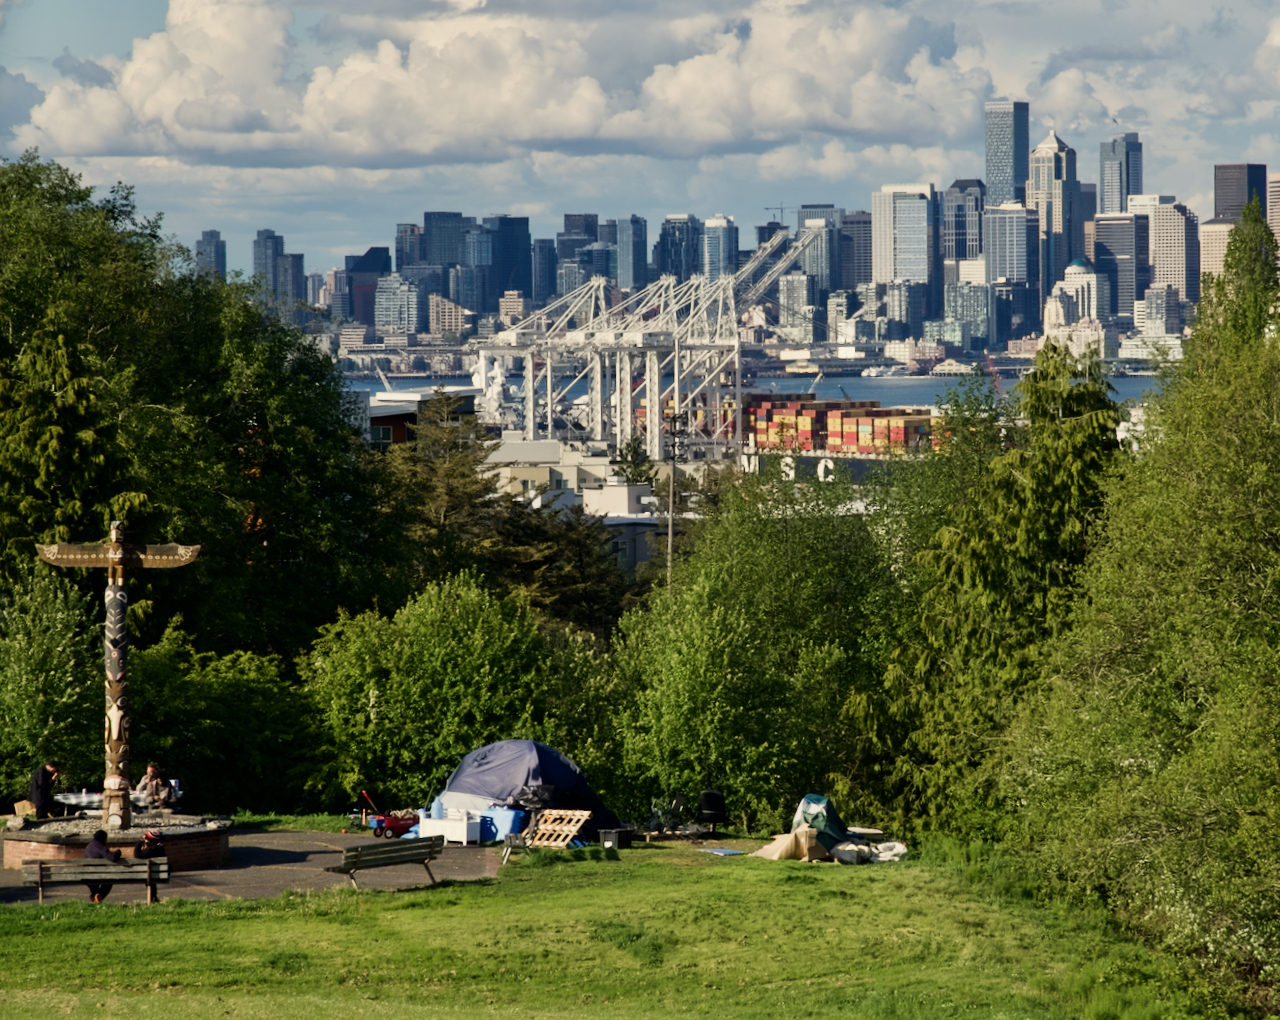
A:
{"x": 399, "y": 306}
{"x": 1213, "y": 244}
{"x": 1053, "y": 190}
{"x": 1273, "y": 203}
{"x": 904, "y": 235}
{"x": 1173, "y": 243}
{"x": 719, "y": 247}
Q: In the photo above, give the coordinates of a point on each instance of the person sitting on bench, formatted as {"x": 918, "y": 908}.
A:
{"x": 151, "y": 845}
{"x": 98, "y": 850}
{"x": 157, "y": 790}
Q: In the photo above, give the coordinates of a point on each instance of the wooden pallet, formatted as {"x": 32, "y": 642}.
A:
{"x": 557, "y": 828}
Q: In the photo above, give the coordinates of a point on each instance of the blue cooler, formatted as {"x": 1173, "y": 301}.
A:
{"x": 497, "y": 823}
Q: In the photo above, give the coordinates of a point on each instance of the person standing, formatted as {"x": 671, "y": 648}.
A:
{"x": 42, "y": 781}
{"x": 97, "y": 850}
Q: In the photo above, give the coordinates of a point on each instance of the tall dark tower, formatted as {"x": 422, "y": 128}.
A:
{"x": 1008, "y": 151}
{"x": 512, "y": 267}
{"x": 1234, "y": 185}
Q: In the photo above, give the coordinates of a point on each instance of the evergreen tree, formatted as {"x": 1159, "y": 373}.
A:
{"x": 1146, "y": 771}
{"x": 1002, "y": 577}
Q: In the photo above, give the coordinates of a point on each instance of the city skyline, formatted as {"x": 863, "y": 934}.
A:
{"x": 240, "y": 115}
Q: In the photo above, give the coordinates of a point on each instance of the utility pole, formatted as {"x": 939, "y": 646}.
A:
{"x": 116, "y": 556}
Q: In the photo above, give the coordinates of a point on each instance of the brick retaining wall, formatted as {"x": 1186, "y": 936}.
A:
{"x": 194, "y": 851}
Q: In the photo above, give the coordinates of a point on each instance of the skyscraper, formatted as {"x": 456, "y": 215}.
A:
{"x": 633, "y": 253}
{"x": 1273, "y": 203}
{"x": 1053, "y": 190}
{"x": 969, "y": 302}
{"x": 512, "y": 267}
{"x": 583, "y": 223}
{"x": 1234, "y": 186}
{"x": 442, "y": 238}
{"x": 1119, "y": 172}
{"x": 679, "y": 247}
{"x": 544, "y": 270}
{"x": 607, "y": 232}
{"x": 904, "y": 238}
{"x": 1214, "y": 235}
{"x": 400, "y": 306}
{"x": 1008, "y": 144}
{"x": 1122, "y": 253}
{"x": 211, "y": 254}
{"x": 1174, "y": 240}
{"x": 362, "y": 274}
{"x": 855, "y": 249}
{"x": 906, "y": 308}
{"x": 962, "y": 206}
{"x": 796, "y": 297}
{"x": 719, "y": 247}
{"x": 408, "y": 245}
{"x": 1012, "y": 243}
{"x": 818, "y": 211}
{"x": 268, "y": 246}
{"x": 1012, "y": 246}
{"x": 291, "y": 283}
{"x": 821, "y": 260}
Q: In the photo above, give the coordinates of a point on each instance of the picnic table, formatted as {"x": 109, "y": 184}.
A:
{"x": 86, "y": 801}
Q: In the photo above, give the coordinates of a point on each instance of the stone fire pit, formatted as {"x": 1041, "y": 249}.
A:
{"x": 191, "y": 843}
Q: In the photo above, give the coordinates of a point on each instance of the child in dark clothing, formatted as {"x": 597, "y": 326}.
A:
{"x": 150, "y": 846}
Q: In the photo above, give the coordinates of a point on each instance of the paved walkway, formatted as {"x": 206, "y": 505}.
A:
{"x": 265, "y": 864}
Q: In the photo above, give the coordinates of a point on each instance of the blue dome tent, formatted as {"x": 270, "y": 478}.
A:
{"x": 497, "y": 772}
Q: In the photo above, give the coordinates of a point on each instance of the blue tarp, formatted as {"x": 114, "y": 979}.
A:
{"x": 499, "y": 771}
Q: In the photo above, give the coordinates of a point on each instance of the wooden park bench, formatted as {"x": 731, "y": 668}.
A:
{"x": 97, "y": 872}
{"x": 401, "y": 851}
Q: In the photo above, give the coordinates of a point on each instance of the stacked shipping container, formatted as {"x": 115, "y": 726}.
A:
{"x": 836, "y": 426}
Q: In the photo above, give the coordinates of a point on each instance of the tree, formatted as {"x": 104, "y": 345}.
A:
{"x": 446, "y": 496}
{"x": 403, "y": 698}
{"x": 559, "y": 562}
{"x": 738, "y": 672}
{"x": 1002, "y": 580}
{"x": 230, "y": 727}
{"x": 133, "y": 387}
{"x": 50, "y": 681}
{"x": 633, "y": 463}
{"x": 1156, "y": 732}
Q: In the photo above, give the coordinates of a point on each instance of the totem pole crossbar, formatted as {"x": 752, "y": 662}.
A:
{"x": 117, "y": 556}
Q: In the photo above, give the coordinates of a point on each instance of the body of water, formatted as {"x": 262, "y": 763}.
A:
{"x": 891, "y": 391}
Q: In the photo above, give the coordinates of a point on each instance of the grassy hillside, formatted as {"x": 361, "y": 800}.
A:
{"x": 664, "y": 931}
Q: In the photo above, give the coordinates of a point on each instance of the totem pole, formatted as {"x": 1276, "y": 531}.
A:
{"x": 116, "y": 556}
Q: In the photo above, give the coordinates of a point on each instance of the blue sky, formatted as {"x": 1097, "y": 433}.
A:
{"x": 331, "y": 126}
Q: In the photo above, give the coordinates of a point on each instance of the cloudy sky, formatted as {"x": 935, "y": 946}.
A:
{"x": 330, "y": 126}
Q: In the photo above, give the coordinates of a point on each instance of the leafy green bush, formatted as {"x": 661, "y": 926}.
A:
{"x": 403, "y": 698}
{"x": 230, "y": 727}
{"x": 50, "y": 681}
{"x": 736, "y": 677}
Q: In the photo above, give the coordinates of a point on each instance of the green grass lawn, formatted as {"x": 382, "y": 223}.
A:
{"x": 662, "y": 931}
